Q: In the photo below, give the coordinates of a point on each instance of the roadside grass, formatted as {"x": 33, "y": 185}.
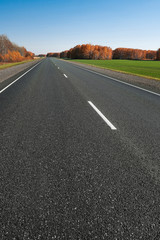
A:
{"x": 149, "y": 69}
{"x": 7, "y": 65}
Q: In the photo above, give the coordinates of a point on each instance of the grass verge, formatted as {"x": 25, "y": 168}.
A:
{"x": 148, "y": 69}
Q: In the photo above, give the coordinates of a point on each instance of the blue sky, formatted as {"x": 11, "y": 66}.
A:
{"x": 56, "y": 25}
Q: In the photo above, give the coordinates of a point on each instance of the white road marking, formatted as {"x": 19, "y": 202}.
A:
{"x": 65, "y": 75}
{"x": 114, "y": 79}
{"x": 18, "y": 78}
{"x": 58, "y": 67}
{"x": 102, "y": 116}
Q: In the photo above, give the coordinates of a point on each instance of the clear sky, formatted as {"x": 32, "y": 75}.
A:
{"x": 54, "y": 25}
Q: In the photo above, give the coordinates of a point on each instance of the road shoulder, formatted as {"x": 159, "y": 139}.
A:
{"x": 14, "y": 70}
{"x": 8, "y": 75}
{"x": 149, "y": 84}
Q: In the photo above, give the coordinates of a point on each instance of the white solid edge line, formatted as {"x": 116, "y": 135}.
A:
{"x": 65, "y": 75}
{"x": 143, "y": 89}
{"x": 18, "y": 78}
{"x": 102, "y": 116}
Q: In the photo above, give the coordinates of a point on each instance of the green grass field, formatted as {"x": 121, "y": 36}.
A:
{"x": 149, "y": 69}
{"x": 7, "y": 65}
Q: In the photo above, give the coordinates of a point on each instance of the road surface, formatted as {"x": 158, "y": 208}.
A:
{"x": 80, "y": 156}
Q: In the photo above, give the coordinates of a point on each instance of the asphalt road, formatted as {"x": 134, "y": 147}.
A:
{"x": 69, "y": 172}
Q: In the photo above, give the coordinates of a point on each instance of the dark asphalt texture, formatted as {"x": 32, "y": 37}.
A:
{"x": 64, "y": 174}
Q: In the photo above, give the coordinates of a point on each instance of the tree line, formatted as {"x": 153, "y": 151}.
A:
{"x": 134, "y": 54}
{"x": 158, "y": 54}
{"x": 88, "y": 51}
{"x": 10, "y": 52}
{"x": 85, "y": 51}
{"x": 51, "y": 54}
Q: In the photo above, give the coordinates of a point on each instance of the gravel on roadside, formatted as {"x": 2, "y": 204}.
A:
{"x": 11, "y": 71}
{"x": 149, "y": 84}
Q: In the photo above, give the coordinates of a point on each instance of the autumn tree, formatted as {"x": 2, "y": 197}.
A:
{"x": 11, "y": 52}
{"x": 41, "y": 55}
{"x": 63, "y": 54}
{"x": 49, "y": 54}
{"x": 151, "y": 55}
{"x": 158, "y": 54}
{"x": 5, "y": 45}
{"x": 134, "y": 54}
{"x": 53, "y": 54}
{"x": 88, "y": 51}
{"x": 1, "y": 58}
{"x": 29, "y": 55}
{"x": 12, "y": 56}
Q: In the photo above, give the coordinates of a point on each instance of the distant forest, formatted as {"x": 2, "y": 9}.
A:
{"x": 10, "y": 52}
{"x": 88, "y": 51}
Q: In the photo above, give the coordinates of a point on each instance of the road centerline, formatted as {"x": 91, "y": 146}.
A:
{"x": 102, "y": 116}
{"x": 65, "y": 75}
